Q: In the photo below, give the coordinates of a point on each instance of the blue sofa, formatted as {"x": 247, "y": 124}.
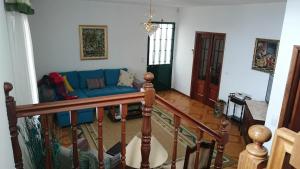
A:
{"x": 77, "y": 79}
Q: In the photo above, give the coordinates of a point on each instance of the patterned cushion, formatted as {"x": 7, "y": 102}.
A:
{"x": 95, "y": 83}
{"x": 125, "y": 79}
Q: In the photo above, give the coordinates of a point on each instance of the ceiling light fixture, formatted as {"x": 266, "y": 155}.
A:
{"x": 149, "y": 26}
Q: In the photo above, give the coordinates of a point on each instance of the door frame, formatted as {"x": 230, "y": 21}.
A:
{"x": 195, "y": 64}
{"x": 289, "y": 96}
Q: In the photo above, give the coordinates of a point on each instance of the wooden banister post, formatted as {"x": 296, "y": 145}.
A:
{"x": 221, "y": 144}
{"x": 146, "y": 126}
{"x": 256, "y": 155}
{"x": 12, "y": 122}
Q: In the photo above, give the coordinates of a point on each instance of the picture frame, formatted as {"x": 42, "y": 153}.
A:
{"x": 265, "y": 55}
{"x": 93, "y": 42}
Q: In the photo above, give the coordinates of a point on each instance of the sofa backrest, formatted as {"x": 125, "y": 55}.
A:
{"x": 111, "y": 77}
{"x": 72, "y": 78}
{"x": 89, "y": 74}
{"x": 78, "y": 79}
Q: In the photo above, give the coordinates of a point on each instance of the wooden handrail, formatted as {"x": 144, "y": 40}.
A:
{"x": 77, "y": 104}
{"x": 181, "y": 114}
{"x": 147, "y": 97}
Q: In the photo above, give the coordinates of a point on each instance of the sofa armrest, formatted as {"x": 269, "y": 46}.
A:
{"x": 138, "y": 84}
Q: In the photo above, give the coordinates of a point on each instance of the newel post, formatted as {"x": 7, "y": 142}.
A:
{"x": 146, "y": 126}
{"x": 12, "y": 122}
{"x": 256, "y": 155}
{"x": 221, "y": 144}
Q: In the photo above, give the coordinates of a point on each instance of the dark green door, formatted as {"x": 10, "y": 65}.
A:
{"x": 160, "y": 55}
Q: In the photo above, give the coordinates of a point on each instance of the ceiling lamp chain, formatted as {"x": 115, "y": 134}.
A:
{"x": 149, "y": 26}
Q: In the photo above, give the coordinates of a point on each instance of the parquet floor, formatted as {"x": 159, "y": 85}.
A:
{"x": 205, "y": 115}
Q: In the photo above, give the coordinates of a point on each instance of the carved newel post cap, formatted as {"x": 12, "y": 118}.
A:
{"x": 7, "y": 88}
{"x": 148, "y": 76}
{"x": 259, "y": 134}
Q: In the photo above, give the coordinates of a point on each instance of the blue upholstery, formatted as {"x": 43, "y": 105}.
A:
{"x": 79, "y": 93}
{"x": 72, "y": 78}
{"x": 111, "y": 77}
{"x": 90, "y": 74}
{"x": 111, "y": 90}
{"x": 78, "y": 82}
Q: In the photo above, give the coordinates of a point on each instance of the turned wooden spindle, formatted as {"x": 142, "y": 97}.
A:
{"x": 256, "y": 155}
{"x": 47, "y": 145}
{"x": 74, "y": 139}
{"x": 221, "y": 144}
{"x": 12, "y": 122}
{"x": 100, "y": 111}
{"x": 146, "y": 126}
{"x": 197, "y": 158}
{"x": 124, "y": 110}
{"x": 175, "y": 141}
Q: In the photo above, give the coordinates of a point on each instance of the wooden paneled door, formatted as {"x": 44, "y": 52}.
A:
{"x": 207, "y": 66}
{"x": 290, "y": 111}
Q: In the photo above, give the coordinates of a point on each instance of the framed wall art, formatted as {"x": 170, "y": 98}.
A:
{"x": 265, "y": 55}
{"x": 93, "y": 42}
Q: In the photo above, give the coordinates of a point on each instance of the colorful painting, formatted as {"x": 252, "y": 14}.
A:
{"x": 93, "y": 42}
{"x": 265, "y": 54}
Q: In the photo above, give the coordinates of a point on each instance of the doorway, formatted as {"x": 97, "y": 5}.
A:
{"x": 160, "y": 55}
{"x": 290, "y": 111}
{"x": 207, "y": 66}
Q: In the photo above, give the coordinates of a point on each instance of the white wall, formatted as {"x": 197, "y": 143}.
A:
{"x": 6, "y": 154}
{"x": 56, "y": 38}
{"x": 14, "y": 68}
{"x": 289, "y": 37}
{"x": 242, "y": 25}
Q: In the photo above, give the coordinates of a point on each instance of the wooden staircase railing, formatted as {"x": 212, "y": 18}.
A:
{"x": 146, "y": 96}
{"x": 284, "y": 143}
{"x": 221, "y": 136}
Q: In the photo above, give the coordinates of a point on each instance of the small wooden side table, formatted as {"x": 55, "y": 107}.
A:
{"x": 237, "y": 99}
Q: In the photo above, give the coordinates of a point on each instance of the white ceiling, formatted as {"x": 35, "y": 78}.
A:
{"x": 184, "y": 3}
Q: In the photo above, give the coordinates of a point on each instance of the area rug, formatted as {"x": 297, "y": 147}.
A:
{"x": 162, "y": 129}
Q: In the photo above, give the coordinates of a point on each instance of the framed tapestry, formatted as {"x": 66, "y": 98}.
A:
{"x": 93, "y": 42}
{"x": 265, "y": 54}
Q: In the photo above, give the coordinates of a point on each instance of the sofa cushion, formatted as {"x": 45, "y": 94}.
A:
{"x": 112, "y": 76}
{"x": 125, "y": 79}
{"x": 95, "y": 83}
{"x": 91, "y": 74}
{"x": 72, "y": 78}
{"x": 109, "y": 90}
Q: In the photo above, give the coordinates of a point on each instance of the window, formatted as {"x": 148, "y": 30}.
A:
{"x": 160, "y": 44}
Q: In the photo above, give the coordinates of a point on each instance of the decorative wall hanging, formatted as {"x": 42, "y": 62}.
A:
{"x": 265, "y": 54}
{"x": 93, "y": 42}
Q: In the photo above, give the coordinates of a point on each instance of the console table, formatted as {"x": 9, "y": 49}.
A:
{"x": 255, "y": 113}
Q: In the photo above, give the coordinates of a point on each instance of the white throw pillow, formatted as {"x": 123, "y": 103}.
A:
{"x": 125, "y": 79}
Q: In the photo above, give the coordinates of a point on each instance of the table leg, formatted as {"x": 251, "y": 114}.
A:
{"x": 241, "y": 117}
{"x": 233, "y": 110}
{"x": 227, "y": 108}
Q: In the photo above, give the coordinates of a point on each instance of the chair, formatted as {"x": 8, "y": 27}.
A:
{"x": 206, "y": 153}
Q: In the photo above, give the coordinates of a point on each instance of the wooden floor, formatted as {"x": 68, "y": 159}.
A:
{"x": 205, "y": 114}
